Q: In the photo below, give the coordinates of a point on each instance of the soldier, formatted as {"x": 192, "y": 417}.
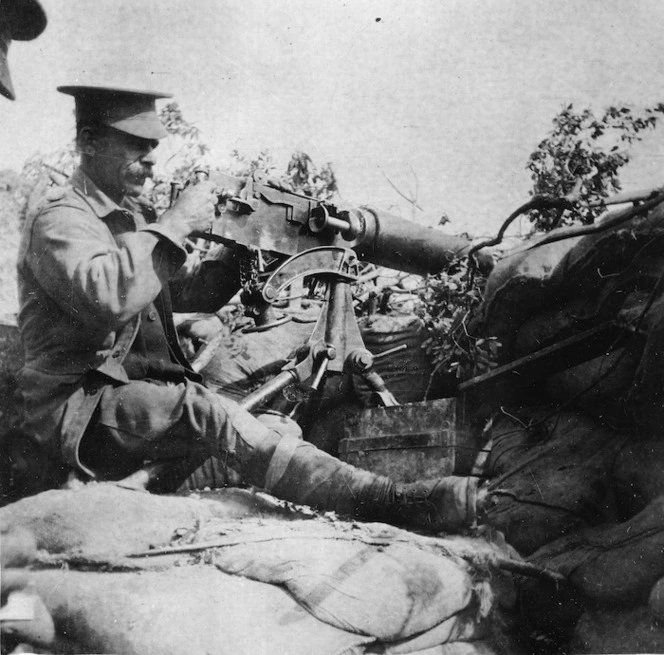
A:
{"x": 105, "y": 385}
{"x": 20, "y": 20}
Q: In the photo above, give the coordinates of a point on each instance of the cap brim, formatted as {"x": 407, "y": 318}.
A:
{"x": 148, "y": 128}
{"x": 80, "y": 90}
{"x": 127, "y": 110}
{"x": 6, "y": 86}
{"x": 26, "y": 18}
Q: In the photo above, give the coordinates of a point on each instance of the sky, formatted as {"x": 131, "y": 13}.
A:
{"x": 444, "y": 98}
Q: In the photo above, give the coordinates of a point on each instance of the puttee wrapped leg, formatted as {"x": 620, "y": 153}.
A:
{"x": 295, "y": 470}
{"x": 300, "y": 472}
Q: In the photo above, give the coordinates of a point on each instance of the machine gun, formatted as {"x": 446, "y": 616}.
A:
{"x": 302, "y": 237}
{"x": 287, "y": 236}
{"x": 271, "y": 218}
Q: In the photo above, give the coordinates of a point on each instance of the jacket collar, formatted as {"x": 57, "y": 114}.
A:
{"x": 98, "y": 201}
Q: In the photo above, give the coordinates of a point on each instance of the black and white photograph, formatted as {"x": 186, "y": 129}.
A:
{"x": 331, "y": 327}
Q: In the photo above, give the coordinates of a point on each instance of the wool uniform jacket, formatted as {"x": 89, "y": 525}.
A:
{"x": 88, "y": 269}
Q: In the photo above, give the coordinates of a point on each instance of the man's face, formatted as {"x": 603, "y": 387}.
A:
{"x": 121, "y": 163}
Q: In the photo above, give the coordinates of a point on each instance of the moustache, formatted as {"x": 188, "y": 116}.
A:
{"x": 128, "y": 162}
{"x": 137, "y": 170}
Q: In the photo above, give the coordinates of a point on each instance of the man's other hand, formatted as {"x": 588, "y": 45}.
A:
{"x": 193, "y": 211}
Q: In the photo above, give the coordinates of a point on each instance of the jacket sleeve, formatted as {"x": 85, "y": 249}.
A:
{"x": 206, "y": 285}
{"x": 93, "y": 276}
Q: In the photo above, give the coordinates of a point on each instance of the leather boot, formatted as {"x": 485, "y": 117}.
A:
{"x": 448, "y": 504}
{"x": 299, "y": 472}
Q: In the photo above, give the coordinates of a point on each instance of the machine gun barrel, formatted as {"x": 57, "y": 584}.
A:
{"x": 394, "y": 242}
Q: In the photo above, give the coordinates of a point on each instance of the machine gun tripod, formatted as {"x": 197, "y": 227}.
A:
{"x": 335, "y": 345}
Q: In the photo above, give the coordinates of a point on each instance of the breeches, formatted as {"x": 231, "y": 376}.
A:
{"x": 147, "y": 421}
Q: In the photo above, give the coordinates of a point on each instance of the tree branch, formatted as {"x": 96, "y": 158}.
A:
{"x": 412, "y": 201}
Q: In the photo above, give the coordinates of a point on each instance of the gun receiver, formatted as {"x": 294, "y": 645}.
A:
{"x": 268, "y": 217}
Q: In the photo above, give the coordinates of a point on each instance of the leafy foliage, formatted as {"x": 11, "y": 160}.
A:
{"x": 243, "y": 166}
{"x": 581, "y": 158}
{"x": 448, "y": 301}
{"x": 585, "y": 150}
{"x": 303, "y": 176}
{"x": 189, "y": 153}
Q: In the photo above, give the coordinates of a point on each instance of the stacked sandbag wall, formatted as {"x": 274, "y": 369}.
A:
{"x": 616, "y": 576}
{"x": 549, "y": 474}
{"x": 587, "y": 502}
{"x": 407, "y": 370}
{"x": 539, "y": 295}
{"x": 119, "y": 571}
{"x": 576, "y": 453}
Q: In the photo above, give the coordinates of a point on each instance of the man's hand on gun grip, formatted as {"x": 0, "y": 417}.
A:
{"x": 193, "y": 211}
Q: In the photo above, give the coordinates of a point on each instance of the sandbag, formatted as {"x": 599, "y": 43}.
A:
{"x": 637, "y": 475}
{"x": 646, "y": 395}
{"x": 246, "y": 360}
{"x": 453, "y": 648}
{"x": 520, "y": 286}
{"x": 194, "y": 610}
{"x": 393, "y": 591}
{"x": 24, "y": 619}
{"x": 549, "y": 475}
{"x": 617, "y": 631}
{"x": 406, "y": 372}
{"x": 596, "y": 277}
{"x": 614, "y": 564}
{"x": 103, "y": 520}
{"x": 626, "y": 256}
{"x": 598, "y": 387}
{"x": 621, "y": 387}
{"x": 450, "y": 630}
{"x": 146, "y": 579}
{"x": 534, "y": 301}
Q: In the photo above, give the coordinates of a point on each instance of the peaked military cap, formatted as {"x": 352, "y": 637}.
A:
{"x": 127, "y": 110}
{"x": 20, "y": 20}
